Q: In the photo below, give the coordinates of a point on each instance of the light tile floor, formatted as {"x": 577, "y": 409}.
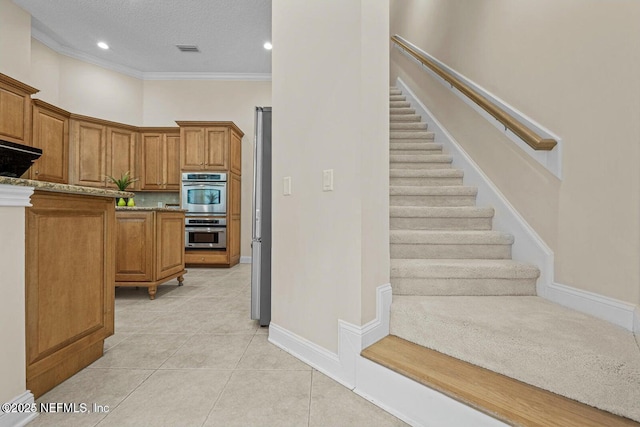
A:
{"x": 192, "y": 357}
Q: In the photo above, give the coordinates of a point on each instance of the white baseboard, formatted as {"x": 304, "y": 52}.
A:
{"x": 615, "y": 311}
{"x": 411, "y": 402}
{"x": 528, "y": 245}
{"x": 19, "y": 419}
{"x": 414, "y": 403}
{"x": 245, "y": 260}
{"x": 636, "y": 321}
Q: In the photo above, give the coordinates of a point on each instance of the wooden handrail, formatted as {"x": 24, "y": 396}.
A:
{"x": 529, "y": 136}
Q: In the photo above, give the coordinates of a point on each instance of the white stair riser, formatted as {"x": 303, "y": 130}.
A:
{"x": 429, "y": 200}
{"x": 450, "y": 251}
{"x": 465, "y": 223}
{"x": 435, "y": 181}
{"x": 455, "y": 286}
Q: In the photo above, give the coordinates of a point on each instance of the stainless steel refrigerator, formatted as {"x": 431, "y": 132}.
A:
{"x": 261, "y": 235}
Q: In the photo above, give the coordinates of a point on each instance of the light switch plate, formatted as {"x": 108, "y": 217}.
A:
{"x": 286, "y": 185}
{"x": 327, "y": 180}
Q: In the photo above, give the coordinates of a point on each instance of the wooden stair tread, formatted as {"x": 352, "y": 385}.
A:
{"x": 499, "y": 396}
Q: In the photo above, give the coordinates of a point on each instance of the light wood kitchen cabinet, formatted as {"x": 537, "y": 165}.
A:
{"x": 217, "y": 147}
{"x": 207, "y": 145}
{"x": 235, "y": 158}
{"x": 99, "y": 149}
{"x": 160, "y": 159}
{"x": 15, "y": 110}
{"x": 51, "y": 134}
{"x": 69, "y": 278}
{"x": 149, "y": 247}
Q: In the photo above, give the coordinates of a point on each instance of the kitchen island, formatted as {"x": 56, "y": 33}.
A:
{"x": 69, "y": 276}
{"x": 149, "y": 247}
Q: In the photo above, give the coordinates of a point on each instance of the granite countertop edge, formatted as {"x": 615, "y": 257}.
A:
{"x": 147, "y": 208}
{"x": 55, "y": 187}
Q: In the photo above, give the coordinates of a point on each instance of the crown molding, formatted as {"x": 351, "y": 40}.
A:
{"x": 151, "y": 75}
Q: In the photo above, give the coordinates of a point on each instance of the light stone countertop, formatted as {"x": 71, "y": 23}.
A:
{"x": 147, "y": 208}
{"x": 64, "y": 188}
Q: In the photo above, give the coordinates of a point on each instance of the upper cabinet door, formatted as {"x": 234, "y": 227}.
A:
{"x": 51, "y": 134}
{"x": 217, "y": 148}
{"x": 151, "y": 161}
{"x": 192, "y": 152}
{"x": 172, "y": 162}
{"x": 235, "y": 158}
{"x": 15, "y": 110}
{"x": 121, "y": 155}
{"x": 88, "y": 152}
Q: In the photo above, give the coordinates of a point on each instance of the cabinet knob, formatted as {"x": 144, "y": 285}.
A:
{"x": 37, "y": 172}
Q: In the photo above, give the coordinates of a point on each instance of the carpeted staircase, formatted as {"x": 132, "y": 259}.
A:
{"x": 456, "y": 289}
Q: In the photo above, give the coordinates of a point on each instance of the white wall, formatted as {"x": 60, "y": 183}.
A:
{"x": 15, "y": 42}
{"x": 45, "y": 72}
{"x": 168, "y": 101}
{"x": 574, "y": 67}
{"x": 12, "y": 303}
{"x": 326, "y": 117}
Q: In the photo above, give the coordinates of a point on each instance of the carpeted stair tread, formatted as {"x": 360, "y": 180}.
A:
{"x": 432, "y": 195}
{"x": 451, "y": 212}
{"x": 532, "y": 340}
{"x": 411, "y": 134}
{"x": 394, "y": 91}
{"x": 408, "y": 126}
{"x": 463, "y": 269}
{"x": 397, "y": 98}
{"x": 399, "y": 104}
{"x": 452, "y": 190}
{"x": 414, "y": 147}
{"x": 450, "y": 237}
{"x": 404, "y": 118}
{"x": 426, "y": 173}
{"x": 450, "y": 244}
{"x": 395, "y": 110}
{"x": 420, "y": 158}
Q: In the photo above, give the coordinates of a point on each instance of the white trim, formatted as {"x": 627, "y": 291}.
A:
{"x": 310, "y": 353}
{"x": 528, "y": 245}
{"x": 378, "y": 328}
{"x": 15, "y": 195}
{"x": 636, "y": 321}
{"x": 142, "y": 75}
{"x": 245, "y": 260}
{"x": 413, "y": 403}
{"x": 19, "y": 419}
{"x": 406, "y": 399}
{"x": 550, "y": 160}
{"x": 615, "y": 311}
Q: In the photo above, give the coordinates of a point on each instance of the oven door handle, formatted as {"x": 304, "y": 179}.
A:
{"x": 205, "y": 229}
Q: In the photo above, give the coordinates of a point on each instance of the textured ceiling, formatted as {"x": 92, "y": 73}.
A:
{"x": 143, "y": 34}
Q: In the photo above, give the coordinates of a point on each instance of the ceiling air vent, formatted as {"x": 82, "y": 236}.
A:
{"x": 188, "y": 48}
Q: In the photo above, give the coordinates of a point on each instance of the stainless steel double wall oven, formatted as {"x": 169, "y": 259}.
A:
{"x": 204, "y": 197}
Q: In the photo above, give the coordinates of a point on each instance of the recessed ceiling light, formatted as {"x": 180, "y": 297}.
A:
{"x": 268, "y": 46}
{"x": 103, "y": 45}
